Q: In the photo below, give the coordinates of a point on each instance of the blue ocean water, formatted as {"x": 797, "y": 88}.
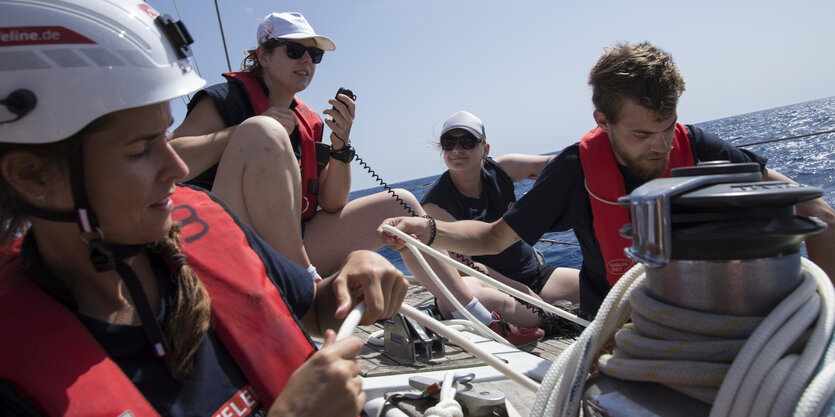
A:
{"x": 807, "y": 160}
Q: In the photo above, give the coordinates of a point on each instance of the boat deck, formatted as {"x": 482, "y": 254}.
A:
{"x": 375, "y": 361}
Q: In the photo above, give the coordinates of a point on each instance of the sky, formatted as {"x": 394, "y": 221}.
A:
{"x": 522, "y": 67}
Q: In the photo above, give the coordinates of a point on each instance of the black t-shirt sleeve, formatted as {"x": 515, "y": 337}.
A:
{"x": 709, "y": 147}
{"x": 547, "y": 206}
{"x": 440, "y": 192}
{"x": 233, "y": 106}
{"x": 230, "y": 101}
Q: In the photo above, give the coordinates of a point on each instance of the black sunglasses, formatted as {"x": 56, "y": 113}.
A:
{"x": 296, "y": 50}
{"x": 467, "y": 142}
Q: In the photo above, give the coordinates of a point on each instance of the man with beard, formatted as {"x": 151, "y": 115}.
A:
{"x": 636, "y": 88}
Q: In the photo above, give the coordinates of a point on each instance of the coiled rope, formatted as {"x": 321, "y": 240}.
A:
{"x": 766, "y": 377}
{"x": 447, "y": 406}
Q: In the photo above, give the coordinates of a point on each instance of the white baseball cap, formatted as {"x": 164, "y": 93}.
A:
{"x": 467, "y": 121}
{"x": 291, "y": 25}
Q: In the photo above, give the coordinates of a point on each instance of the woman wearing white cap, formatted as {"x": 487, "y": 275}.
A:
{"x": 120, "y": 292}
{"x": 245, "y": 140}
{"x": 477, "y": 187}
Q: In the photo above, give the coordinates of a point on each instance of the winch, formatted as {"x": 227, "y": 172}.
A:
{"x": 715, "y": 239}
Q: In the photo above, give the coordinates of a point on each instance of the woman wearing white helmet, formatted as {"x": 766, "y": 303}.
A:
{"x": 120, "y": 292}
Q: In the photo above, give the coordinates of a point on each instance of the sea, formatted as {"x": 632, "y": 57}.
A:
{"x": 808, "y": 160}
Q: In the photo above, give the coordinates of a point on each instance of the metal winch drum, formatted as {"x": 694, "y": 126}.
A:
{"x": 715, "y": 238}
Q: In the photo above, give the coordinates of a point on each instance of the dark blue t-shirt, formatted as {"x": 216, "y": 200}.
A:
{"x": 518, "y": 261}
{"x": 233, "y": 105}
{"x": 558, "y": 201}
{"x": 216, "y": 386}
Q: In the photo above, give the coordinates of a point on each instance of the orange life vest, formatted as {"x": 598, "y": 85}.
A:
{"x": 56, "y": 365}
{"x": 310, "y": 131}
{"x": 603, "y": 179}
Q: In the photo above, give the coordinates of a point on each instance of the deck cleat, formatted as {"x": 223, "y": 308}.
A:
{"x": 409, "y": 341}
{"x": 477, "y": 400}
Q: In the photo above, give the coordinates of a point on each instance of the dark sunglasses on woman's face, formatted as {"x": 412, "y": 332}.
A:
{"x": 467, "y": 142}
{"x": 296, "y": 50}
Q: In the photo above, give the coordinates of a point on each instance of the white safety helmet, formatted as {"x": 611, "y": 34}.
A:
{"x": 64, "y": 64}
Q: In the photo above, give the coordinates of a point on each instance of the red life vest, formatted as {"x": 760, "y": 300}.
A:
{"x": 603, "y": 179}
{"x": 56, "y": 365}
{"x": 310, "y": 131}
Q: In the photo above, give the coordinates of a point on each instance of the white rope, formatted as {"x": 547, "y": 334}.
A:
{"x": 446, "y": 406}
{"x": 462, "y": 341}
{"x": 351, "y": 321}
{"x": 414, "y": 245}
{"x": 815, "y": 348}
{"x": 598, "y": 198}
{"x": 377, "y": 338}
{"x": 702, "y": 325}
{"x": 819, "y": 394}
{"x": 745, "y": 365}
{"x": 482, "y": 328}
{"x": 770, "y": 355}
{"x": 771, "y": 385}
{"x": 762, "y": 378}
{"x": 453, "y": 335}
{"x": 562, "y": 386}
{"x": 744, "y": 388}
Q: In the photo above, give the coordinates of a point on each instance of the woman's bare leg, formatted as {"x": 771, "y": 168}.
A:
{"x": 258, "y": 178}
{"x": 564, "y": 284}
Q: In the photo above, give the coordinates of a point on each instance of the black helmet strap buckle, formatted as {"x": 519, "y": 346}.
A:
{"x": 100, "y": 255}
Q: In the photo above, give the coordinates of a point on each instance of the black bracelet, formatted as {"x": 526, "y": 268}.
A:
{"x": 433, "y": 231}
{"x": 346, "y": 154}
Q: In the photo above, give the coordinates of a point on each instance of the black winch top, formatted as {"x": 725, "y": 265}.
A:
{"x": 717, "y": 211}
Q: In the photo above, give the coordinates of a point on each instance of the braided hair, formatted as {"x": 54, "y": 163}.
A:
{"x": 190, "y": 315}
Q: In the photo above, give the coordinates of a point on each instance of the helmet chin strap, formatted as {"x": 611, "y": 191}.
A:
{"x": 110, "y": 257}
{"x": 100, "y": 256}
{"x": 105, "y": 257}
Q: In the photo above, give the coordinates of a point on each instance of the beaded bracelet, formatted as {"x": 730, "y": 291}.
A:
{"x": 433, "y": 231}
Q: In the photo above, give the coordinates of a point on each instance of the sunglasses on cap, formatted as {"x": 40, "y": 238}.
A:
{"x": 467, "y": 142}
{"x": 296, "y": 50}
